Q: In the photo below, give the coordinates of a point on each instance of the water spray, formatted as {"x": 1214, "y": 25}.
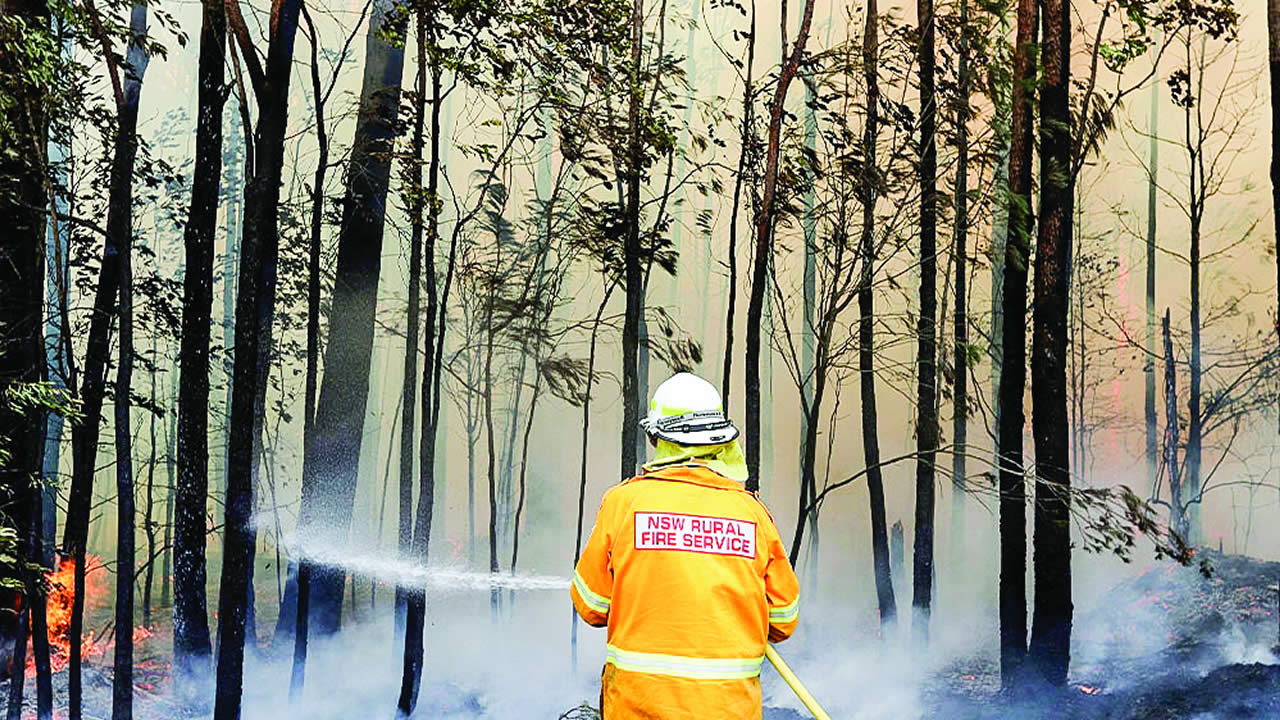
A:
{"x": 441, "y": 578}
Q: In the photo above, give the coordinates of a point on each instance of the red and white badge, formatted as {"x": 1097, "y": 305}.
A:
{"x": 695, "y": 533}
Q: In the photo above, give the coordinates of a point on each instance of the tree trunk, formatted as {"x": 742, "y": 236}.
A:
{"x": 191, "y": 649}
{"x": 122, "y": 210}
{"x": 344, "y": 387}
{"x": 409, "y": 387}
{"x": 1177, "y": 512}
{"x": 631, "y": 253}
{"x": 1149, "y": 363}
{"x": 1013, "y": 366}
{"x": 926, "y": 328}
{"x": 867, "y": 327}
{"x": 744, "y": 161}
{"x": 763, "y": 223}
{"x": 432, "y": 372}
{"x": 301, "y": 605}
{"x": 23, "y": 358}
{"x": 1273, "y": 56}
{"x": 960, "y": 322}
{"x": 1197, "y": 195}
{"x": 1050, "y": 649}
{"x": 254, "y": 305}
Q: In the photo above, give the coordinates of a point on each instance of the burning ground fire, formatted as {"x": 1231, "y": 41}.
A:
{"x": 61, "y": 594}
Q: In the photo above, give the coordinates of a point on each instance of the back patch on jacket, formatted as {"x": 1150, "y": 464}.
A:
{"x": 695, "y": 533}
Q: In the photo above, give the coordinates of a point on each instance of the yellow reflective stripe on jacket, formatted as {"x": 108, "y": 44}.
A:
{"x": 686, "y": 667}
{"x": 786, "y": 613}
{"x": 593, "y": 600}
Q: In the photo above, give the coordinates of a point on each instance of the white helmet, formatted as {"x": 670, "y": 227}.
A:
{"x": 686, "y": 410}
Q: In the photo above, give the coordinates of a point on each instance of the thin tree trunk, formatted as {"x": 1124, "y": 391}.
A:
{"x": 1177, "y": 513}
{"x": 1013, "y": 367}
{"x": 582, "y": 466}
{"x": 1050, "y": 648}
{"x": 960, "y": 322}
{"x": 1273, "y": 56}
{"x": 744, "y": 154}
{"x": 171, "y": 484}
{"x": 432, "y": 372}
{"x": 1149, "y": 363}
{"x": 867, "y": 327}
{"x": 122, "y": 677}
{"x": 344, "y": 386}
{"x": 631, "y": 253}
{"x": 148, "y": 514}
{"x": 254, "y": 306}
{"x": 764, "y": 244}
{"x": 1197, "y": 196}
{"x": 926, "y": 329}
{"x": 297, "y": 624}
{"x": 409, "y": 388}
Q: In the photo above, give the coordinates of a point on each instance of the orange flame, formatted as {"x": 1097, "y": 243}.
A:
{"x": 61, "y": 595}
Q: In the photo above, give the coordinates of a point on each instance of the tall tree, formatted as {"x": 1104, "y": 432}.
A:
{"x": 632, "y": 270}
{"x": 1149, "y": 364}
{"x": 763, "y": 223}
{"x": 121, "y": 210}
{"x": 24, "y": 27}
{"x": 746, "y": 145}
{"x": 192, "y": 651}
{"x": 255, "y": 301}
{"x": 960, "y": 323}
{"x": 344, "y": 387}
{"x": 1050, "y": 649}
{"x": 926, "y": 330}
{"x": 1013, "y": 367}
{"x": 1273, "y": 56}
{"x": 867, "y": 326}
{"x": 126, "y": 85}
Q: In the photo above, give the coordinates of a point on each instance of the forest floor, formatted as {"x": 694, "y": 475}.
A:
{"x": 1169, "y": 644}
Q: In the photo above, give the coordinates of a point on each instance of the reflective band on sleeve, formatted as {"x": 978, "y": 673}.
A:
{"x": 685, "y": 667}
{"x": 786, "y": 613}
{"x": 596, "y": 602}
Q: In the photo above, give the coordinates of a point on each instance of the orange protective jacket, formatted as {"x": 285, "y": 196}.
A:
{"x": 688, "y": 572}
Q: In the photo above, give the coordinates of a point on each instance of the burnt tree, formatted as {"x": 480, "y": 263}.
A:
{"x": 926, "y": 330}
{"x": 1050, "y": 648}
{"x": 1013, "y": 367}
{"x": 192, "y": 651}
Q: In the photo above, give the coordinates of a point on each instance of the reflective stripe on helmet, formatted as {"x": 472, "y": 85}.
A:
{"x": 786, "y": 613}
{"x": 686, "y": 667}
{"x": 593, "y": 600}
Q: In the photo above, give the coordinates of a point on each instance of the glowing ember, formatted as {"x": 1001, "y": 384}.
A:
{"x": 1090, "y": 690}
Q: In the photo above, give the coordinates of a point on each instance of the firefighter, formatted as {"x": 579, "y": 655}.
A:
{"x": 686, "y": 570}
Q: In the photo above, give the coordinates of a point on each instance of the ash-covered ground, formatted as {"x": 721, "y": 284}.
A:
{"x": 1168, "y": 644}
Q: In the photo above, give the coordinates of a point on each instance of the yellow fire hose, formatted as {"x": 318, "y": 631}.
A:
{"x": 785, "y": 671}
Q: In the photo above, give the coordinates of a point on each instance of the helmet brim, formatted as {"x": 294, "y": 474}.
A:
{"x": 718, "y": 436}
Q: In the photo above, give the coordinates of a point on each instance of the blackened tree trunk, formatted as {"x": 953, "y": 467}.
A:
{"x": 1149, "y": 364}
{"x": 867, "y": 328}
{"x": 633, "y": 277}
{"x": 1050, "y": 649}
{"x": 409, "y": 386}
{"x": 1013, "y": 367}
{"x": 1177, "y": 515}
{"x": 1197, "y": 196}
{"x": 1273, "y": 55}
{"x": 763, "y": 223}
{"x": 432, "y": 372}
{"x": 960, "y": 321}
{"x": 745, "y": 140}
{"x": 191, "y": 646}
{"x": 22, "y": 353}
{"x": 926, "y": 330}
{"x": 344, "y": 388}
{"x": 255, "y": 301}
{"x": 121, "y": 210}
{"x": 298, "y": 623}
{"x": 339, "y": 415}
